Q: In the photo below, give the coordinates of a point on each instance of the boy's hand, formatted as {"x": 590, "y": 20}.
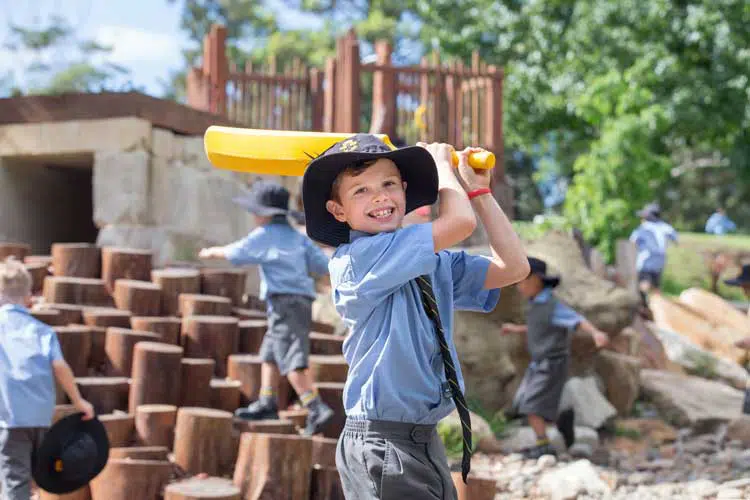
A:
{"x": 211, "y": 253}
{"x": 601, "y": 339}
{"x": 470, "y": 178}
{"x": 86, "y": 408}
{"x": 508, "y": 329}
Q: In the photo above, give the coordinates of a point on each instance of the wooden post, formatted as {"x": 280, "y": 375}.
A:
{"x": 120, "y": 428}
{"x": 98, "y": 361}
{"x": 141, "y": 452}
{"x": 251, "y": 334}
{"x": 173, "y": 282}
{"x": 195, "y": 382}
{"x": 38, "y": 273}
{"x": 245, "y": 314}
{"x": 75, "y": 343}
{"x": 154, "y": 425}
{"x": 476, "y": 488}
{"x": 228, "y": 283}
{"x": 154, "y": 374}
{"x": 49, "y": 317}
{"x": 326, "y": 343}
{"x": 77, "y": 291}
{"x": 191, "y": 304}
{"x": 141, "y": 298}
{"x": 326, "y": 484}
{"x": 17, "y": 250}
{"x": 384, "y": 91}
{"x": 125, "y": 263}
{"x": 197, "y": 488}
{"x": 69, "y": 313}
{"x": 245, "y": 368}
{"x": 62, "y": 411}
{"x": 214, "y": 337}
{"x": 493, "y": 126}
{"x": 296, "y": 417}
{"x": 317, "y": 100}
{"x": 107, "y": 394}
{"x": 127, "y": 479}
{"x": 167, "y": 327}
{"x": 119, "y": 346}
{"x": 324, "y": 451}
{"x": 328, "y": 368}
{"x": 203, "y": 441}
{"x": 320, "y": 327}
{"x": 216, "y": 68}
{"x": 265, "y": 426}
{"x": 348, "y": 94}
{"x": 332, "y": 394}
{"x": 225, "y": 394}
{"x": 83, "y": 493}
{"x": 106, "y": 317}
{"x": 329, "y": 97}
{"x": 80, "y": 260}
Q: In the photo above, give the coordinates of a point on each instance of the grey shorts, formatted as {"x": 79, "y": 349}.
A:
{"x": 393, "y": 461}
{"x": 287, "y": 341}
{"x": 541, "y": 388}
{"x": 17, "y": 447}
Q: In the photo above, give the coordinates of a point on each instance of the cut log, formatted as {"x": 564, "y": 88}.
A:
{"x": 174, "y": 282}
{"x": 119, "y": 346}
{"x": 244, "y": 313}
{"x": 196, "y": 488}
{"x": 127, "y": 479}
{"x": 252, "y": 332}
{"x": 326, "y": 484}
{"x": 228, "y": 283}
{"x": 326, "y": 344}
{"x": 120, "y": 428}
{"x": 195, "y": 382}
{"x": 107, "y": 394}
{"x": 141, "y": 298}
{"x": 476, "y": 488}
{"x": 83, "y": 493}
{"x": 225, "y": 394}
{"x": 254, "y": 302}
{"x": 154, "y": 425}
{"x": 79, "y": 260}
{"x": 62, "y": 411}
{"x": 79, "y": 291}
{"x": 125, "y": 263}
{"x": 168, "y": 327}
{"x": 98, "y": 361}
{"x": 38, "y": 272}
{"x": 203, "y": 441}
{"x": 214, "y": 337}
{"x": 245, "y": 368}
{"x": 49, "y": 317}
{"x": 332, "y": 394}
{"x": 274, "y": 466}
{"x": 71, "y": 313}
{"x": 325, "y": 368}
{"x": 318, "y": 326}
{"x": 140, "y": 453}
{"x": 296, "y": 416}
{"x": 195, "y": 304}
{"x": 106, "y": 317}
{"x": 38, "y": 259}
{"x": 265, "y": 426}
{"x": 154, "y": 374}
{"x": 324, "y": 451}
{"x": 75, "y": 343}
{"x": 17, "y": 250}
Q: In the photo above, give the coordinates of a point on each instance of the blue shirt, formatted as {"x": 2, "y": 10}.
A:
{"x": 562, "y": 316}
{"x": 720, "y": 224}
{"x": 27, "y": 384}
{"x": 395, "y": 367}
{"x": 651, "y": 239}
{"x": 286, "y": 258}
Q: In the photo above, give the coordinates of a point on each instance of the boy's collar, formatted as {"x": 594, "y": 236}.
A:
{"x": 543, "y": 296}
{"x": 9, "y": 306}
{"x": 354, "y": 235}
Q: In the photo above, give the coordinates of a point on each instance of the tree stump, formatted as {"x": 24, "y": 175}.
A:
{"x": 476, "y": 488}
{"x": 79, "y": 260}
{"x": 174, "y": 282}
{"x": 119, "y": 346}
{"x": 106, "y": 317}
{"x": 245, "y": 368}
{"x": 62, "y": 411}
{"x": 120, "y": 428}
{"x": 332, "y": 394}
{"x": 245, "y": 314}
{"x": 69, "y": 313}
{"x": 38, "y": 259}
{"x": 140, "y": 453}
{"x": 265, "y": 426}
{"x": 154, "y": 374}
{"x": 195, "y": 488}
{"x": 75, "y": 343}
{"x": 38, "y": 272}
{"x": 107, "y": 394}
{"x": 128, "y": 479}
{"x": 168, "y": 327}
{"x": 98, "y": 361}
{"x": 325, "y": 344}
{"x": 324, "y": 451}
{"x": 274, "y": 466}
{"x": 154, "y": 425}
{"x": 252, "y": 332}
{"x": 228, "y": 283}
{"x": 79, "y": 291}
{"x": 141, "y": 298}
{"x": 17, "y": 250}
{"x": 195, "y": 382}
{"x": 214, "y": 337}
{"x": 203, "y": 441}
{"x": 125, "y": 263}
{"x": 297, "y": 417}
{"x": 194, "y": 304}
{"x": 326, "y": 484}
{"x": 225, "y": 394}
{"x": 83, "y": 493}
{"x": 326, "y": 368}
{"x": 320, "y": 327}
{"x": 49, "y": 317}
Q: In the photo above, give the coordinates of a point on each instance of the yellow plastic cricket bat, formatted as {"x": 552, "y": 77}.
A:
{"x": 285, "y": 152}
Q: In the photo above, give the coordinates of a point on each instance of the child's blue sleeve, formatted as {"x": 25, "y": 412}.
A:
{"x": 248, "y": 250}
{"x": 55, "y": 351}
{"x": 469, "y": 275}
{"x": 565, "y": 317}
{"x": 317, "y": 260}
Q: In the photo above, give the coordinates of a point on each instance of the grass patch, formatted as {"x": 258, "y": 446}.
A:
{"x": 627, "y": 433}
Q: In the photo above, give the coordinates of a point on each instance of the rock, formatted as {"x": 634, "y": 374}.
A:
{"x": 701, "y": 488}
{"x": 650, "y": 430}
{"x": 591, "y": 408}
{"x": 741, "y": 461}
{"x": 691, "y": 401}
{"x": 480, "y": 430}
{"x": 620, "y": 374}
{"x": 739, "y": 430}
{"x": 648, "y": 347}
{"x": 546, "y": 462}
{"x": 638, "y": 478}
{"x": 121, "y": 188}
{"x": 719, "y": 312}
{"x": 573, "y": 480}
{"x": 729, "y": 494}
{"x": 738, "y": 483}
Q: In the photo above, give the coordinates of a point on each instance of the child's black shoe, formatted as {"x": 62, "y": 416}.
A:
{"x": 320, "y": 414}
{"x": 263, "y": 409}
{"x": 542, "y": 447}
{"x": 566, "y": 426}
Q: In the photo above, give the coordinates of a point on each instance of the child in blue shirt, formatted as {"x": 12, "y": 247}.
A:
{"x": 396, "y": 289}
{"x": 30, "y": 361}
{"x": 287, "y": 259}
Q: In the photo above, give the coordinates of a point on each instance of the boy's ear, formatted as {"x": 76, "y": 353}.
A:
{"x": 336, "y": 209}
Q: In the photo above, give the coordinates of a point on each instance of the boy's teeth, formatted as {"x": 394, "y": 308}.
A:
{"x": 382, "y": 213}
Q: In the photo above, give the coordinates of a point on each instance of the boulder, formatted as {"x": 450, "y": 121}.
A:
{"x": 584, "y": 396}
{"x": 739, "y": 430}
{"x": 620, "y": 374}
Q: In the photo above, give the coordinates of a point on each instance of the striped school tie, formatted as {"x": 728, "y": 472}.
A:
{"x": 430, "y": 307}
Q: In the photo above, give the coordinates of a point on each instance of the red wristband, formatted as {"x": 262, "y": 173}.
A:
{"x": 478, "y": 192}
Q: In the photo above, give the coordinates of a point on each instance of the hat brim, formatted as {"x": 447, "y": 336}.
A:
{"x": 417, "y": 169}
{"x": 736, "y": 282}
{"x": 551, "y": 281}
{"x": 258, "y": 209}
{"x": 44, "y": 473}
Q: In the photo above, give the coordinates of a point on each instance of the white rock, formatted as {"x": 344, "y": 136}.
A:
{"x": 546, "y": 462}
{"x": 738, "y": 483}
{"x": 591, "y": 407}
{"x": 701, "y": 488}
{"x": 575, "y": 479}
{"x": 121, "y": 187}
{"x": 729, "y": 494}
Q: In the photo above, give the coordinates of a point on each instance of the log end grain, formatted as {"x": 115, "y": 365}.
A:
{"x": 120, "y": 428}
{"x": 106, "y": 316}
{"x": 175, "y": 273}
{"x": 249, "y": 314}
{"x": 51, "y": 317}
{"x": 209, "y": 488}
{"x": 140, "y": 452}
{"x": 158, "y": 347}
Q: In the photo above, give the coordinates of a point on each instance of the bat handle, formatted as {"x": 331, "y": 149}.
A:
{"x": 480, "y": 160}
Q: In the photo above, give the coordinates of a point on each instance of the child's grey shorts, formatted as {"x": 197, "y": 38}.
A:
{"x": 287, "y": 340}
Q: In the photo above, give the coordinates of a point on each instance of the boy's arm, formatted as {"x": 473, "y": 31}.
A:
{"x": 511, "y": 328}
{"x": 248, "y": 250}
{"x": 600, "y": 338}
{"x": 317, "y": 260}
{"x": 65, "y": 377}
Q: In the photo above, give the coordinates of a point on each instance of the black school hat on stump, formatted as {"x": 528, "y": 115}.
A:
{"x": 73, "y": 452}
{"x": 415, "y": 163}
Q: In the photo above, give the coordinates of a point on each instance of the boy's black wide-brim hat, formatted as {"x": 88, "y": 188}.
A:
{"x": 539, "y": 267}
{"x": 72, "y": 453}
{"x": 741, "y": 279}
{"x": 415, "y": 163}
{"x": 266, "y": 199}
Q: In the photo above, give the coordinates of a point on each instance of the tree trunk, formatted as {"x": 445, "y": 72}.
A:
{"x": 225, "y": 394}
{"x": 324, "y": 451}
{"x": 141, "y": 298}
{"x": 252, "y": 332}
{"x": 154, "y": 425}
{"x": 168, "y": 327}
{"x": 475, "y": 489}
{"x": 228, "y": 283}
{"x": 326, "y": 484}
{"x": 106, "y": 317}
{"x": 326, "y": 344}
{"x": 75, "y": 343}
{"x": 107, "y": 394}
{"x": 174, "y": 282}
{"x": 203, "y": 441}
{"x": 245, "y": 368}
{"x": 274, "y": 466}
{"x": 78, "y": 291}
{"x": 193, "y": 304}
{"x": 125, "y": 263}
{"x": 38, "y": 273}
{"x": 98, "y": 362}
{"x": 120, "y": 428}
{"x": 154, "y": 374}
{"x": 245, "y": 314}
{"x": 69, "y": 313}
{"x": 49, "y": 317}
{"x": 83, "y": 493}
{"x": 320, "y": 327}
{"x": 214, "y": 337}
{"x": 332, "y": 394}
{"x": 297, "y": 417}
{"x": 79, "y": 260}
{"x": 324, "y": 368}
{"x": 212, "y": 488}
{"x": 119, "y": 346}
{"x": 18, "y": 250}
{"x": 140, "y": 453}
{"x": 265, "y": 426}
{"x": 195, "y": 382}
{"x": 128, "y": 479}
